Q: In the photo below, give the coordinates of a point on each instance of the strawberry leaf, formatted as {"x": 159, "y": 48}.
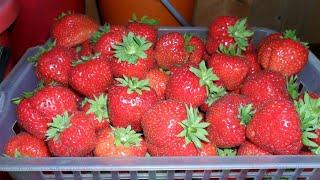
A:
{"x": 240, "y": 33}
{"x": 245, "y": 113}
{"x": 126, "y": 137}
{"x": 292, "y": 86}
{"x": 59, "y": 124}
{"x": 133, "y": 84}
{"x": 226, "y": 152}
{"x": 98, "y": 106}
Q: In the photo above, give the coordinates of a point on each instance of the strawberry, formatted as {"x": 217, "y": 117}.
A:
{"x": 228, "y": 117}
{"x": 71, "y": 135}
{"x": 264, "y": 86}
{"x": 158, "y": 81}
{"x": 133, "y": 57}
{"x": 90, "y": 75}
{"x": 249, "y": 149}
{"x": 266, "y": 40}
{"x": 128, "y": 100}
{"x": 73, "y": 29}
{"x": 120, "y": 142}
{"x": 97, "y": 107}
{"x": 173, "y": 129}
{"x": 286, "y": 55}
{"x": 25, "y": 145}
{"x": 212, "y": 45}
{"x": 84, "y": 49}
{"x": 208, "y": 149}
{"x": 219, "y": 26}
{"x": 276, "y": 128}
{"x": 144, "y": 27}
{"x": 196, "y": 48}
{"x": 252, "y": 61}
{"x": 190, "y": 85}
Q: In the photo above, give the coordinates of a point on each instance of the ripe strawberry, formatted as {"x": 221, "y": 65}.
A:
{"x": 169, "y": 128}
{"x": 190, "y": 85}
{"x": 249, "y": 149}
{"x": 265, "y": 86}
{"x": 212, "y": 45}
{"x": 90, "y": 75}
{"x": 25, "y": 145}
{"x": 196, "y": 48}
{"x": 158, "y": 81}
{"x": 120, "y": 142}
{"x": 144, "y": 28}
{"x": 286, "y": 55}
{"x": 252, "y": 61}
{"x": 276, "y": 128}
{"x": 128, "y": 100}
{"x": 266, "y": 40}
{"x": 97, "y": 107}
{"x": 208, "y": 149}
{"x": 219, "y": 26}
{"x": 73, "y": 29}
{"x": 228, "y": 117}
{"x": 133, "y": 58}
{"x": 71, "y": 135}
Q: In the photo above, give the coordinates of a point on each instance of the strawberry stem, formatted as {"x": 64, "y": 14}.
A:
{"x": 240, "y": 33}
{"x": 98, "y": 106}
{"x": 134, "y": 85}
{"x": 245, "y": 113}
{"x": 126, "y": 137}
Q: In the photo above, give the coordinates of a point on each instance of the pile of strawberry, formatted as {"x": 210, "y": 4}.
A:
{"x": 122, "y": 91}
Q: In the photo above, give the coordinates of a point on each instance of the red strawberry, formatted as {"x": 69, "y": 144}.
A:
{"x": 265, "y": 86}
{"x": 169, "y": 128}
{"x": 97, "y": 107}
{"x": 286, "y": 55}
{"x": 73, "y": 29}
{"x": 208, "y": 149}
{"x": 266, "y": 40}
{"x": 213, "y": 44}
{"x": 133, "y": 58}
{"x": 276, "y": 128}
{"x": 120, "y": 142}
{"x": 249, "y": 149}
{"x": 195, "y": 47}
{"x": 119, "y": 29}
{"x": 128, "y": 100}
{"x": 228, "y": 117}
{"x": 158, "y": 81}
{"x": 219, "y": 26}
{"x": 252, "y": 61}
{"x": 91, "y": 75}
{"x": 25, "y": 145}
{"x": 71, "y": 135}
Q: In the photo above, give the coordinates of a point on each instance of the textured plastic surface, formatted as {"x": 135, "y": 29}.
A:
{"x": 22, "y": 78}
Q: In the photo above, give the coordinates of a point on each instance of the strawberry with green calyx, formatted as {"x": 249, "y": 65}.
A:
{"x": 226, "y": 152}
{"x": 128, "y": 100}
{"x": 158, "y": 80}
{"x": 120, "y": 142}
{"x": 240, "y": 33}
{"x": 71, "y": 135}
{"x": 195, "y": 47}
{"x": 215, "y": 93}
{"x": 292, "y": 87}
{"x": 133, "y": 57}
{"x": 97, "y": 107}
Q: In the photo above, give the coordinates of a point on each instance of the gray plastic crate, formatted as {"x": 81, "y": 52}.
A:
{"x": 22, "y": 78}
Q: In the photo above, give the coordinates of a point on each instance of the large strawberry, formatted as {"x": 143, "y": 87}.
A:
{"x": 25, "y": 145}
{"x": 286, "y": 55}
{"x": 268, "y": 39}
{"x": 73, "y": 29}
{"x": 228, "y": 117}
{"x": 173, "y": 129}
{"x": 128, "y": 101}
{"x": 91, "y": 75}
{"x": 71, "y": 135}
{"x": 249, "y": 149}
{"x": 158, "y": 80}
{"x": 276, "y": 128}
{"x": 133, "y": 57}
{"x": 120, "y": 142}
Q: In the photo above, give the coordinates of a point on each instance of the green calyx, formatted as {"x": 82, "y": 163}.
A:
{"x": 84, "y": 59}
{"x": 43, "y": 49}
{"x": 187, "y": 37}
{"x": 240, "y": 33}
{"x": 27, "y": 94}
{"x": 232, "y": 50}
{"x": 134, "y": 85}
{"x": 99, "y": 107}
{"x": 245, "y": 113}
{"x": 17, "y": 154}
{"x": 292, "y": 87}
{"x": 63, "y": 14}
{"x": 193, "y": 129}
{"x": 126, "y": 137}
{"x": 102, "y": 30}
{"x": 226, "y": 152}
{"x": 205, "y": 75}
{"x": 291, "y": 34}
{"x": 144, "y": 20}
{"x": 215, "y": 93}
{"x": 131, "y": 49}
{"x": 59, "y": 124}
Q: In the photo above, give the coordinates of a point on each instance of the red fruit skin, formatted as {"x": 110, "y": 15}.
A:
{"x": 170, "y": 50}
{"x": 252, "y": 61}
{"x": 184, "y": 86}
{"x": 139, "y": 70}
{"x": 73, "y": 29}
{"x": 144, "y": 30}
{"x": 161, "y": 126}
{"x": 249, "y": 149}
{"x": 213, "y": 44}
{"x": 265, "y": 86}
{"x": 158, "y": 81}
{"x": 53, "y": 100}
{"x": 92, "y": 77}
{"x": 77, "y": 140}
{"x": 54, "y": 65}
{"x": 106, "y": 147}
{"x": 208, "y": 149}
{"x": 199, "y": 48}
{"x": 219, "y": 26}
{"x": 31, "y": 121}
{"x": 95, "y": 122}
{"x": 276, "y": 128}
{"x": 27, "y": 145}
{"x": 284, "y": 55}
{"x": 127, "y": 109}
{"x": 266, "y": 40}
{"x": 307, "y": 153}
{"x": 231, "y": 70}
{"x": 86, "y": 49}
{"x": 119, "y": 29}
{"x": 105, "y": 43}
{"x": 225, "y": 129}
